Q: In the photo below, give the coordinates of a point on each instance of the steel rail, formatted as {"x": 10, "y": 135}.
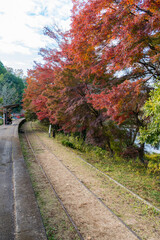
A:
{"x": 99, "y": 199}
{"x": 53, "y": 189}
{"x": 119, "y": 184}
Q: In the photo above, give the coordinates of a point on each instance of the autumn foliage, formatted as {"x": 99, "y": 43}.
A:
{"x": 100, "y": 71}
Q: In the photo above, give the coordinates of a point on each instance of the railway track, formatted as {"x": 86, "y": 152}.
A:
{"x": 53, "y": 189}
{"x": 59, "y": 199}
{"x": 116, "y": 182}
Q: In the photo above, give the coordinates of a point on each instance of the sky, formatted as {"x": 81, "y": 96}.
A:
{"x": 21, "y": 29}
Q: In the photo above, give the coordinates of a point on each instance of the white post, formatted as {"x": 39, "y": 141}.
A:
{"x": 49, "y": 130}
{"x": 3, "y": 117}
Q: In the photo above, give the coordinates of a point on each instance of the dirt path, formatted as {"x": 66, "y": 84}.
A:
{"x": 92, "y": 218}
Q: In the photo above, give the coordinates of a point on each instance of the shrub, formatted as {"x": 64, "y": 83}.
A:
{"x": 153, "y": 163}
{"x": 130, "y": 152}
{"x": 30, "y": 116}
{"x": 77, "y": 142}
{"x": 68, "y": 144}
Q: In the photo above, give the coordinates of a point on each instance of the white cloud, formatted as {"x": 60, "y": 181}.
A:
{"x": 11, "y": 48}
{"x": 22, "y": 23}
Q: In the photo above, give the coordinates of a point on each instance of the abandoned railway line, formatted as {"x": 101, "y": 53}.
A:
{"x": 53, "y": 189}
{"x": 109, "y": 225}
{"x": 110, "y": 178}
{"x": 96, "y": 206}
{"x": 135, "y": 233}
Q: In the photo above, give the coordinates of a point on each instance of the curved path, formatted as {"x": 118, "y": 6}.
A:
{"x": 19, "y": 214}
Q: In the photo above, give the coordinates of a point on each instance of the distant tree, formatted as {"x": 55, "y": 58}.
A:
{"x": 18, "y": 73}
{"x": 2, "y": 68}
{"x": 10, "y": 70}
{"x": 9, "y": 95}
{"x": 11, "y": 86}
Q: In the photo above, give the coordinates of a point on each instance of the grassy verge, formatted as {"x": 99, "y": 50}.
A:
{"x": 131, "y": 173}
{"x": 55, "y": 220}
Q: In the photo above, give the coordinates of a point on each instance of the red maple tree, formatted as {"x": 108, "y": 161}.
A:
{"x": 97, "y": 70}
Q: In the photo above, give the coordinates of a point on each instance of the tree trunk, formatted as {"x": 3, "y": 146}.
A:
{"x": 54, "y": 133}
{"x": 141, "y": 153}
{"x": 83, "y": 134}
{"x": 109, "y": 147}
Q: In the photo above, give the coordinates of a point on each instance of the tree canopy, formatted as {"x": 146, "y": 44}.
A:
{"x": 100, "y": 71}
